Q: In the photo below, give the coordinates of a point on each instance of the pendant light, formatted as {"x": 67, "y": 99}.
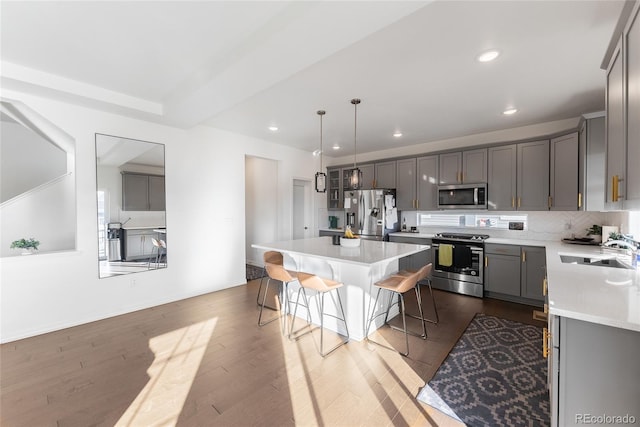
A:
{"x": 355, "y": 178}
{"x": 321, "y": 177}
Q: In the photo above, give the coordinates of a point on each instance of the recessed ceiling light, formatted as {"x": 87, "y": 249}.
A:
{"x": 273, "y": 128}
{"x": 397, "y": 134}
{"x": 336, "y": 147}
{"x": 510, "y": 111}
{"x": 488, "y": 56}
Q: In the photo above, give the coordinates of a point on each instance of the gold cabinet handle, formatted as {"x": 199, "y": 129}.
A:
{"x": 519, "y": 200}
{"x": 486, "y": 261}
{"x": 524, "y": 256}
{"x": 513, "y": 202}
{"x": 546, "y": 309}
{"x": 614, "y": 188}
{"x": 544, "y": 287}
{"x": 417, "y": 203}
{"x": 550, "y": 202}
{"x": 545, "y": 342}
{"x": 579, "y": 200}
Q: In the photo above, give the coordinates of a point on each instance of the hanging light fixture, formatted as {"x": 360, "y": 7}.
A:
{"x": 321, "y": 177}
{"x": 355, "y": 178}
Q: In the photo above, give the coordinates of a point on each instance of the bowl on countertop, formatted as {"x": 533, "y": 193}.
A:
{"x": 349, "y": 243}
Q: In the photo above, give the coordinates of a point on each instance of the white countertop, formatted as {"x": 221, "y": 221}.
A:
{"x": 604, "y": 295}
{"x": 369, "y": 252}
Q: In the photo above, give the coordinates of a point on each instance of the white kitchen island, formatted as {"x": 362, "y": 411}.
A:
{"x": 358, "y": 268}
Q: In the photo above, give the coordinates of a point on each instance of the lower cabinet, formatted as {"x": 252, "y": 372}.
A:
{"x": 323, "y": 233}
{"x": 416, "y": 261}
{"x": 138, "y": 244}
{"x": 593, "y": 372}
{"x": 514, "y": 273}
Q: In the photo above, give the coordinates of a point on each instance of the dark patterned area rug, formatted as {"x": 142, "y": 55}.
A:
{"x": 495, "y": 375}
{"x": 253, "y": 272}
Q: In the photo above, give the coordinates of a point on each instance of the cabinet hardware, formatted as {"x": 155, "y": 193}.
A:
{"x": 486, "y": 261}
{"x": 579, "y": 200}
{"x": 545, "y": 342}
{"x": 519, "y": 200}
{"x": 615, "y": 188}
{"x": 550, "y": 201}
{"x": 513, "y": 202}
{"x": 417, "y": 203}
{"x": 524, "y": 256}
{"x": 546, "y": 309}
{"x": 544, "y": 287}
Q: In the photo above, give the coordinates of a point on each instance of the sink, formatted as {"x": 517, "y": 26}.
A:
{"x": 597, "y": 261}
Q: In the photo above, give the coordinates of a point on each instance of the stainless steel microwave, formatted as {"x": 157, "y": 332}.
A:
{"x": 462, "y": 196}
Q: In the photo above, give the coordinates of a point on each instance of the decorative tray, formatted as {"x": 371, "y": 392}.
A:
{"x": 581, "y": 241}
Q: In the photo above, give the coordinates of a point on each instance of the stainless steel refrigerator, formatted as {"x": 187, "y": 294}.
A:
{"x": 371, "y": 214}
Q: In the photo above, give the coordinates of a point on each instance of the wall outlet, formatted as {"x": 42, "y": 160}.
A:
{"x": 132, "y": 283}
{"x": 516, "y": 225}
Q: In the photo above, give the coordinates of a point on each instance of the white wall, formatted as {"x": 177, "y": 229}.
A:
{"x": 261, "y": 183}
{"x": 205, "y": 213}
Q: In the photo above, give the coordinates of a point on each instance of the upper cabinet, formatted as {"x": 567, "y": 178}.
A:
{"x": 519, "y": 176}
{"x": 385, "y": 176}
{"x": 333, "y": 189}
{"x": 622, "y": 125}
{"x": 592, "y": 178}
{"x": 463, "y": 167}
{"x": 563, "y": 186}
{"x": 406, "y": 184}
{"x": 427, "y": 183}
{"x": 368, "y": 176}
{"x": 501, "y": 185}
{"x": 615, "y": 132}
{"x": 474, "y": 166}
{"x": 142, "y": 192}
{"x": 533, "y": 176}
{"x": 632, "y": 56}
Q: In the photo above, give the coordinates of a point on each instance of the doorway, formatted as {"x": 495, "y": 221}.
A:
{"x": 301, "y": 215}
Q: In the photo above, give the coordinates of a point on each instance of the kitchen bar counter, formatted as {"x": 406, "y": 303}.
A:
{"x": 358, "y": 268}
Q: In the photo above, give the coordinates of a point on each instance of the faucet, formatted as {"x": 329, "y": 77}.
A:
{"x": 624, "y": 246}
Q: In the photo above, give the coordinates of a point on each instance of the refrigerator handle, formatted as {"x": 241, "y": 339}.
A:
{"x": 361, "y": 211}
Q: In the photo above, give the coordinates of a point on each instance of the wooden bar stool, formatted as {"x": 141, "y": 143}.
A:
{"x": 427, "y": 279}
{"x": 279, "y": 273}
{"x": 322, "y": 287}
{"x": 398, "y": 285}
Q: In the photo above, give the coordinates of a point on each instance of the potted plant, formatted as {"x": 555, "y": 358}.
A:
{"x": 596, "y": 232}
{"x": 27, "y": 245}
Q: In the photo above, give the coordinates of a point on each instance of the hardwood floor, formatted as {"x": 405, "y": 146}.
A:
{"x": 204, "y": 361}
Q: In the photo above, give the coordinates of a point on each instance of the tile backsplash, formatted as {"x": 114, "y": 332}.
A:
{"x": 553, "y": 225}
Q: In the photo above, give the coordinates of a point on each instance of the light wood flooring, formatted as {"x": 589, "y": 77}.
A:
{"x": 204, "y": 362}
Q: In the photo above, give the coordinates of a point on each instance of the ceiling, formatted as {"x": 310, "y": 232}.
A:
{"x": 244, "y": 66}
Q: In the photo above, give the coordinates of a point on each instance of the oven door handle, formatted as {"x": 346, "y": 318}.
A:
{"x": 475, "y": 196}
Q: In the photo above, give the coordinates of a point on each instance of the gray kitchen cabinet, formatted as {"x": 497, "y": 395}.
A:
{"x": 502, "y": 176}
{"x": 415, "y": 261}
{"x": 324, "y": 233}
{"x": 474, "y": 166}
{"x": 141, "y": 192}
{"x": 615, "y": 142}
{"x": 594, "y": 372}
{"x": 533, "y": 272}
{"x": 563, "y": 180}
{"x": 427, "y": 183}
{"x": 632, "y": 56}
{"x": 135, "y": 192}
{"x": 334, "y": 191}
{"x": 156, "y": 193}
{"x": 533, "y": 176}
{"x": 385, "y": 175}
{"x": 450, "y": 168}
{"x": 514, "y": 273}
{"x": 502, "y": 271}
{"x": 368, "y": 176}
{"x": 468, "y": 166}
{"x": 406, "y": 184}
{"x": 592, "y": 176}
{"x": 138, "y": 243}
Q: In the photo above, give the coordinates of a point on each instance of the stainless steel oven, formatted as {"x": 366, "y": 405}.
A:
{"x": 458, "y": 263}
